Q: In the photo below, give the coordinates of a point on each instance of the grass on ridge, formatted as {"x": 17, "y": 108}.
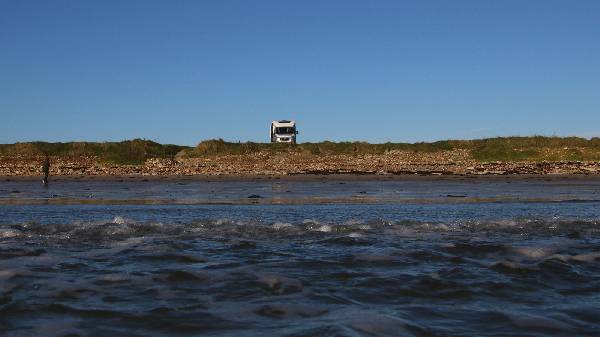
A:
{"x": 126, "y": 152}
{"x": 535, "y": 148}
{"x": 221, "y": 147}
{"x": 506, "y": 149}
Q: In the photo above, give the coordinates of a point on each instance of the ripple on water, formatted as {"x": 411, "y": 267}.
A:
{"x": 299, "y": 278}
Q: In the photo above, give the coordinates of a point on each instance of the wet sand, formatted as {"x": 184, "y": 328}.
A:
{"x": 299, "y": 189}
{"x": 312, "y": 177}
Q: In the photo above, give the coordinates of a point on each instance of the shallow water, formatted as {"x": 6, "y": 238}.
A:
{"x": 300, "y": 258}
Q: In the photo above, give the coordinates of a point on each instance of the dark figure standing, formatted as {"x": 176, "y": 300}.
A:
{"x": 46, "y": 170}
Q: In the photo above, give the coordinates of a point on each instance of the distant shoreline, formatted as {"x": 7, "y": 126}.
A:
{"x": 398, "y": 163}
{"x": 215, "y": 158}
{"x": 314, "y": 177}
{"x": 380, "y": 166}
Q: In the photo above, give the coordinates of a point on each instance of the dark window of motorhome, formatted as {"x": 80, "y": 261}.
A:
{"x": 284, "y": 131}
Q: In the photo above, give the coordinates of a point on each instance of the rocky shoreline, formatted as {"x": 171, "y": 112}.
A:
{"x": 454, "y": 162}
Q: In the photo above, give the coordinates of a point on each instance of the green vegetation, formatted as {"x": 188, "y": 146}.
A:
{"x": 507, "y": 149}
{"x": 536, "y": 148}
{"x": 221, "y": 147}
{"x": 126, "y": 152}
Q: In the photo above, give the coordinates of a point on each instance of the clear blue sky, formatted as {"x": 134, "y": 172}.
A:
{"x": 183, "y": 71}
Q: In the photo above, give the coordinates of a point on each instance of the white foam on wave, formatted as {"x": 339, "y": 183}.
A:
{"x": 6, "y": 233}
{"x": 353, "y": 222}
{"x": 433, "y": 227}
{"x": 324, "y": 229}
{"x": 120, "y": 228}
{"x": 119, "y": 220}
{"x": 282, "y": 225}
{"x": 220, "y": 222}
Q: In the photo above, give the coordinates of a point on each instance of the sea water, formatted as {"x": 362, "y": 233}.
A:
{"x": 316, "y": 257}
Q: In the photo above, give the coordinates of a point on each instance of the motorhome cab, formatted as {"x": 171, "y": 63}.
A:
{"x": 283, "y": 132}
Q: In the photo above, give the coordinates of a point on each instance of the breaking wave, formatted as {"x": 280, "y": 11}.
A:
{"x": 122, "y": 277}
{"x": 122, "y": 228}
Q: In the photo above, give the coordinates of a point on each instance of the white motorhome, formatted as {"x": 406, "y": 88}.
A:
{"x": 283, "y": 132}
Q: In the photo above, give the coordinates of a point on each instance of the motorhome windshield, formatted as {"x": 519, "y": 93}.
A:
{"x": 284, "y": 131}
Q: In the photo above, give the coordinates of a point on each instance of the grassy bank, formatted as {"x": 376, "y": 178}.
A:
{"x": 126, "y": 152}
{"x": 220, "y": 147}
{"x": 535, "y": 148}
{"x": 506, "y": 149}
